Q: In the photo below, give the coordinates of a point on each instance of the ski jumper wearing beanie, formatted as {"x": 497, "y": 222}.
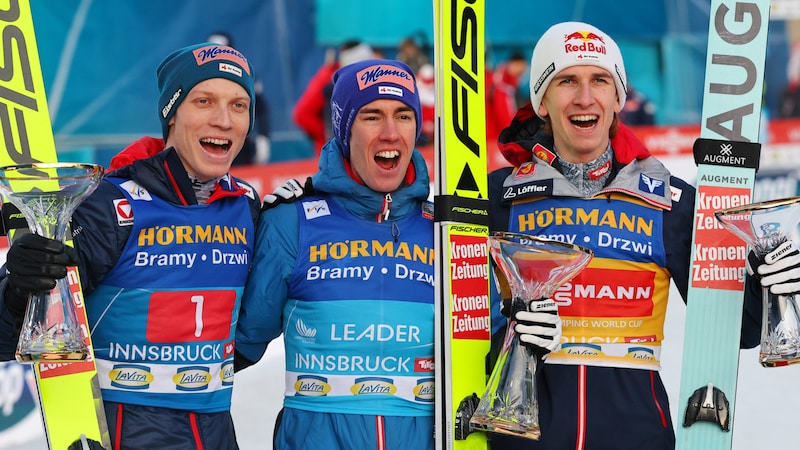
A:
{"x": 358, "y": 329}
{"x": 166, "y": 382}
{"x": 603, "y": 389}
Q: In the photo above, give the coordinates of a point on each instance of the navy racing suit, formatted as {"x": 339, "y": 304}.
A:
{"x": 602, "y": 389}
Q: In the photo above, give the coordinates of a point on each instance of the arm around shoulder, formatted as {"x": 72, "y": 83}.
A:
{"x": 260, "y": 315}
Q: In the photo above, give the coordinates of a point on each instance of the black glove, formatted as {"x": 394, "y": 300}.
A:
{"x": 34, "y": 264}
{"x": 779, "y": 270}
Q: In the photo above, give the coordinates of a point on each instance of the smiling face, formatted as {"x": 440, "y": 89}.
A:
{"x": 209, "y": 128}
{"x": 580, "y": 102}
{"x": 382, "y": 139}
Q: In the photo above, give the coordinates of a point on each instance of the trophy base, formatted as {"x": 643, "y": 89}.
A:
{"x": 505, "y": 427}
{"x": 767, "y": 360}
{"x": 51, "y": 357}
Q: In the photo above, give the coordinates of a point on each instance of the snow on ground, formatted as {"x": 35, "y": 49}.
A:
{"x": 766, "y": 406}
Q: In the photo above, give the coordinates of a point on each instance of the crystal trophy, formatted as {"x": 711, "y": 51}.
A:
{"x": 534, "y": 268}
{"x": 47, "y": 195}
{"x": 764, "y": 227}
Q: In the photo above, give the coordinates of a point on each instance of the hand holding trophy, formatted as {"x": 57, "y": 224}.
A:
{"x": 765, "y": 227}
{"x": 47, "y": 195}
{"x": 534, "y": 268}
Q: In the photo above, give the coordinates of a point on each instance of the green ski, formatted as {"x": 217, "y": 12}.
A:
{"x": 727, "y": 156}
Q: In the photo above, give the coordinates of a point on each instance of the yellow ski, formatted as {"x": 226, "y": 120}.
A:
{"x": 69, "y": 393}
{"x": 461, "y": 209}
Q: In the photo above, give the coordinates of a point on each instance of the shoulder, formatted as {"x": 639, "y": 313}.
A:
{"x": 283, "y": 219}
{"x": 252, "y": 196}
{"x": 498, "y": 175}
{"x": 683, "y": 193}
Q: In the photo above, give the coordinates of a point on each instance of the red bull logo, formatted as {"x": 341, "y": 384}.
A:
{"x": 584, "y": 36}
{"x": 588, "y": 42}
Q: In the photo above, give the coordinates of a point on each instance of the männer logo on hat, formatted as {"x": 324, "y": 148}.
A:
{"x": 380, "y": 74}
{"x": 211, "y": 53}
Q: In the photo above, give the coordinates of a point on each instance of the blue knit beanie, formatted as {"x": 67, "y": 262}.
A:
{"x": 186, "y": 67}
{"x": 366, "y": 81}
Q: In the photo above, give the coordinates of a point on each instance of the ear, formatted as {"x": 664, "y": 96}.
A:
{"x": 543, "y": 110}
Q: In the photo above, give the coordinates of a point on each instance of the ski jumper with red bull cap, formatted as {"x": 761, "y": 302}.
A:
{"x": 173, "y": 298}
{"x": 639, "y": 225}
{"x": 613, "y": 312}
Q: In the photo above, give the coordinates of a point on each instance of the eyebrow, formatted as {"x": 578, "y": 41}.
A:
{"x": 203, "y": 92}
{"x": 404, "y": 108}
{"x": 598, "y": 73}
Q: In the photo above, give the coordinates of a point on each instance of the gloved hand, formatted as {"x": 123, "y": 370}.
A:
{"x": 540, "y": 326}
{"x": 779, "y": 270}
{"x": 288, "y": 192}
{"x": 34, "y": 264}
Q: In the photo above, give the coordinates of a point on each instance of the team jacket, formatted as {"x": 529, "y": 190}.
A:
{"x": 356, "y": 295}
{"x": 103, "y": 237}
{"x": 602, "y": 389}
{"x": 639, "y": 227}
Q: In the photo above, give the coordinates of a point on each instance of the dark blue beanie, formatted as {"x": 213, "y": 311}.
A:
{"x": 186, "y": 67}
{"x": 366, "y": 81}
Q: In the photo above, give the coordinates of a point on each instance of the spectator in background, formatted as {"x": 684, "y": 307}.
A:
{"x": 501, "y": 94}
{"x": 257, "y": 146}
{"x": 311, "y": 112}
{"x": 638, "y": 110}
{"x": 790, "y": 97}
{"x": 426, "y": 84}
{"x": 412, "y": 54}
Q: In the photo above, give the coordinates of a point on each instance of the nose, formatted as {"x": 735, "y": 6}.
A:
{"x": 221, "y": 117}
{"x": 584, "y": 95}
{"x": 390, "y": 131}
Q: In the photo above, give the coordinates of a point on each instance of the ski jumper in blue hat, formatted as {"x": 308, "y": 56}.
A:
{"x": 163, "y": 247}
{"x": 345, "y": 273}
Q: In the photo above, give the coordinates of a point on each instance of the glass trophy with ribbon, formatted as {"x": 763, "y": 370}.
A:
{"x": 47, "y": 195}
{"x": 534, "y": 268}
{"x": 765, "y": 227}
